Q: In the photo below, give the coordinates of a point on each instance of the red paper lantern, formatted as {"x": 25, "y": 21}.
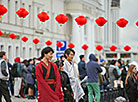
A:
{"x": 48, "y": 43}
{"x": 85, "y": 47}
{"x": 12, "y": 35}
{"x": 113, "y": 48}
{"x": 61, "y": 19}
{"x": 3, "y": 10}
{"x": 43, "y": 16}
{"x": 81, "y": 20}
{"x": 100, "y": 21}
{"x": 99, "y": 47}
{"x": 22, "y": 12}
{"x": 1, "y": 33}
{"x": 71, "y": 45}
{"x": 24, "y": 38}
{"x": 137, "y": 23}
{"x": 127, "y": 48}
{"x": 122, "y": 22}
{"x": 59, "y": 44}
{"x": 36, "y": 41}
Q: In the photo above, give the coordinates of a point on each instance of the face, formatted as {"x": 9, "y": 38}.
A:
{"x": 134, "y": 70}
{"x": 70, "y": 56}
{"x": 83, "y": 59}
{"x": 31, "y": 62}
{"x": 49, "y": 56}
{"x": 5, "y": 57}
{"x": 118, "y": 64}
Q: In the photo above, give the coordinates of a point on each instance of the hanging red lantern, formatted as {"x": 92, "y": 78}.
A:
{"x": 43, "y": 16}
{"x": 1, "y": 33}
{"x": 81, "y": 20}
{"x": 36, "y": 41}
{"x": 61, "y": 19}
{"x": 71, "y": 45}
{"x": 113, "y": 48}
{"x": 59, "y": 44}
{"x": 3, "y": 10}
{"x": 12, "y": 35}
{"x": 22, "y": 12}
{"x": 85, "y": 47}
{"x": 101, "y": 21}
{"x": 24, "y": 38}
{"x": 127, "y": 48}
{"x": 122, "y": 22}
{"x": 137, "y": 23}
{"x": 99, "y": 47}
{"x": 48, "y": 43}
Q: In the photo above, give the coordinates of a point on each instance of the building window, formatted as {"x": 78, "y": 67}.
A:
{"x": 30, "y": 52}
{"x": 16, "y": 7}
{"x": 30, "y": 16}
{"x": 8, "y": 11}
{"x": 38, "y": 23}
{"x": 17, "y": 51}
{"x": 1, "y": 47}
{"x": 38, "y": 52}
{"x": 9, "y": 52}
{"x": 24, "y": 53}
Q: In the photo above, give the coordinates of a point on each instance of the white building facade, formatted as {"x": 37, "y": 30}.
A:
{"x": 31, "y": 27}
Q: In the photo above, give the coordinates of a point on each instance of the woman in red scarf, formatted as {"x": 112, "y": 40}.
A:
{"x": 48, "y": 78}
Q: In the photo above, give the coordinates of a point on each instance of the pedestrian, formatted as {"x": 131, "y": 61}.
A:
{"x": 4, "y": 78}
{"x": 48, "y": 78}
{"x": 93, "y": 68}
{"x": 30, "y": 80}
{"x": 65, "y": 83}
{"x": 82, "y": 67}
{"x": 132, "y": 84}
{"x": 70, "y": 70}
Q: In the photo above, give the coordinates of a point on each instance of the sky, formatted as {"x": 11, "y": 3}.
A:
{"x": 129, "y": 35}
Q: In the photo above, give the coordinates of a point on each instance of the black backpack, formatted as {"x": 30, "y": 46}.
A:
{"x": 14, "y": 70}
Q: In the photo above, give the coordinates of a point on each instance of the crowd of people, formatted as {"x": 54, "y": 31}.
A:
{"x": 64, "y": 80}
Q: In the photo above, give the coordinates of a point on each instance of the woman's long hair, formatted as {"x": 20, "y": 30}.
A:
{"x": 130, "y": 73}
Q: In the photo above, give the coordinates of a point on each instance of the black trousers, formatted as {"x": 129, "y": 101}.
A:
{"x": 4, "y": 91}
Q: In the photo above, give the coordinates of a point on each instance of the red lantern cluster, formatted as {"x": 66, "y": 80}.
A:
{"x": 43, "y": 16}
{"x": 71, "y": 45}
{"x": 3, "y": 10}
{"x": 48, "y": 43}
{"x": 81, "y": 20}
{"x": 61, "y": 19}
{"x": 99, "y": 47}
{"x": 122, "y": 22}
{"x": 85, "y": 47}
{"x": 113, "y": 48}
{"x": 127, "y": 48}
{"x": 100, "y": 21}
{"x": 36, "y": 41}
{"x": 12, "y": 35}
{"x": 24, "y": 39}
{"x": 22, "y": 12}
{"x": 1, "y": 33}
{"x": 59, "y": 44}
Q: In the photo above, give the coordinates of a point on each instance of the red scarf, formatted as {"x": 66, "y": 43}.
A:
{"x": 46, "y": 94}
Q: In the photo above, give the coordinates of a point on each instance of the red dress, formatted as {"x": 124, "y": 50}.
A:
{"x": 49, "y": 83}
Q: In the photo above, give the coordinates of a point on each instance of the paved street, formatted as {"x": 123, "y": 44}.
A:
{"x": 19, "y": 100}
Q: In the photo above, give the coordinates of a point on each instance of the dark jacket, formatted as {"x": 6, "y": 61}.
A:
{"x": 67, "y": 90}
{"x": 82, "y": 70}
{"x": 29, "y": 79}
{"x": 93, "y": 68}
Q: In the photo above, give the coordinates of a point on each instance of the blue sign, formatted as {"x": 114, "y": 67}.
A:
{"x": 59, "y": 54}
{"x": 63, "y": 48}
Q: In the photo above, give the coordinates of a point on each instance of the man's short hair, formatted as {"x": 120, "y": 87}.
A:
{"x": 81, "y": 56}
{"x": 2, "y": 53}
{"x": 46, "y": 50}
{"x": 67, "y": 51}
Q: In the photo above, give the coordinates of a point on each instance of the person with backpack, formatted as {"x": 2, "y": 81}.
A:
{"x": 30, "y": 80}
{"x": 16, "y": 72}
